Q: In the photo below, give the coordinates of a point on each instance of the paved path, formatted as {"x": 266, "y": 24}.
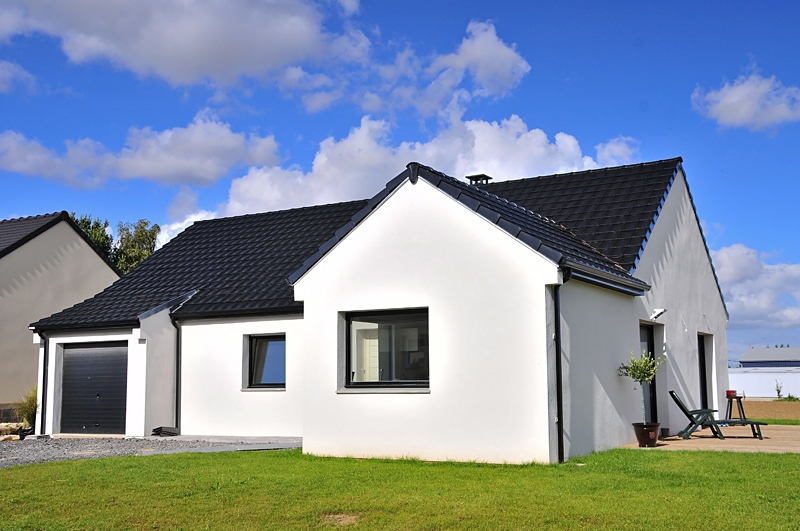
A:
{"x": 777, "y": 439}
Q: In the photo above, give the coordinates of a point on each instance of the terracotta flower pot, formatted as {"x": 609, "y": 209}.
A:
{"x": 647, "y": 433}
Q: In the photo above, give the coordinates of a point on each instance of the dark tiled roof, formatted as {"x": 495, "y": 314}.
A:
{"x": 238, "y": 266}
{"x": 16, "y": 232}
{"x": 535, "y": 230}
{"x": 613, "y": 209}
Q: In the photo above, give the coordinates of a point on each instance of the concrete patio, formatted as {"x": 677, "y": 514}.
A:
{"x": 777, "y": 439}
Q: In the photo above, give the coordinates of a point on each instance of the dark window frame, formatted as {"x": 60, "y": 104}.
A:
{"x": 394, "y": 384}
{"x": 650, "y": 389}
{"x": 251, "y": 361}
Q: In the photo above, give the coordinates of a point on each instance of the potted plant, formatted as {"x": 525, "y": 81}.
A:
{"x": 643, "y": 370}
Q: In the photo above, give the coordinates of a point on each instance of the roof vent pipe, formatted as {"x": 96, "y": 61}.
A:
{"x": 480, "y": 178}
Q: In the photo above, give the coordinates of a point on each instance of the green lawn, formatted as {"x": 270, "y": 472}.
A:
{"x": 783, "y": 422}
{"x": 620, "y": 489}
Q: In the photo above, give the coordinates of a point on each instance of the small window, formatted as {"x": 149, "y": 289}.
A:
{"x": 267, "y": 361}
{"x": 387, "y": 349}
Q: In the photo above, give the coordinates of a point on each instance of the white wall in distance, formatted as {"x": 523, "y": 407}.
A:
{"x": 485, "y": 293}
{"x": 53, "y": 271}
{"x": 213, "y": 401}
{"x": 760, "y": 381}
{"x": 676, "y": 265}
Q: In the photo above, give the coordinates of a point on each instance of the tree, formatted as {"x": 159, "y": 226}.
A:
{"x": 135, "y": 242}
{"x": 96, "y": 231}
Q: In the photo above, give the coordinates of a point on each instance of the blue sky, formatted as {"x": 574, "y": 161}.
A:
{"x": 175, "y": 111}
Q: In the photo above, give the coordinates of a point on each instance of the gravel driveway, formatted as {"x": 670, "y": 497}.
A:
{"x": 62, "y": 449}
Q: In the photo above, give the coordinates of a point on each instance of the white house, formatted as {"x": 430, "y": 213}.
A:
{"x": 46, "y": 264}
{"x": 439, "y": 319}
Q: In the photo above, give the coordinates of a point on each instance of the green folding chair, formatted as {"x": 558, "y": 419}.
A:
{"x": 704, "y": 418}
{"x": 698, "y": 418}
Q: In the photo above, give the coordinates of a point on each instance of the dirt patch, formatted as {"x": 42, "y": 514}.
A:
{"x": 771, "y": 410}
{"x": 340, "y": 519}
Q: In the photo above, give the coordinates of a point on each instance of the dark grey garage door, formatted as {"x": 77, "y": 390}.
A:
{"x": 94, "y": 387}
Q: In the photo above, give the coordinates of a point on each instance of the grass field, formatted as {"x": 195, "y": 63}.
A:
{"x": 779, "y": 422}
{"x": 620, "y": 489}
{"x": 772, "y": 410}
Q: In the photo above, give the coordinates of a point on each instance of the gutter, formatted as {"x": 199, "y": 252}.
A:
{"x": 178, "y": 341}
{"x": 46, "y": 362}
{"x": 559, "y": 386}
{"x": 635, "y": 287}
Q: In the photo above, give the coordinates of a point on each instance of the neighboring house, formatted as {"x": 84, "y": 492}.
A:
{"x": 438, "y": 319}
{"x": 771, "y": 357}
{"x": 46, "y": 264}
{"x": 764, "y": 369}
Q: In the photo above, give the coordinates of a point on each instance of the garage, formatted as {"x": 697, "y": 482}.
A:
{"x": 94, "y": 388}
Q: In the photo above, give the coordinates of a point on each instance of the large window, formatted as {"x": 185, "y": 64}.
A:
{"x": 387, "y": 349}
{"x": 267, "y": 362}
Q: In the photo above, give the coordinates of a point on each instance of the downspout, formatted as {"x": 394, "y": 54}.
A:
{"x": 567, "y": 274}
{"x": 177, "y": 373}
{"x": 46, "y": 363}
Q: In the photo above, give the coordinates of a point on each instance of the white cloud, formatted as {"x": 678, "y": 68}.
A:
{"x": 360, "y": 164}
{"x": 294, "y": 77}
{"x": 617, "y": 151}
{"x": 84, "y": 162}
{"x": 182, "y": 42}
{"x": 183, "y": 204}
{"x": 352, "y": 47}
{"x": 350, "y": 6}
{"x": 751, "y": 101}
{"x": 198, "y": 41}
{"x": 495, "y": 67}
{"x": 11, "y": 73}
{"x": 319, "y": 101}
{"x": 170, "y": 230}
{"x": 199, "y": 153}
{"x": 492, "y": 66}
{"x": 758, "y": 294}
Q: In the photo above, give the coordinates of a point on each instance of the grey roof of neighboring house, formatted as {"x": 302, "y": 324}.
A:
{"x": 16, "y": 232}
{"x": 771, "y": 354}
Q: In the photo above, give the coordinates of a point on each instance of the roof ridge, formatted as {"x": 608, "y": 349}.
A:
{"x": 593, "y": 170}
{"x": 37, "y": 216}
{"x": 286, "y": 210}
{"x": 540, "y": 216}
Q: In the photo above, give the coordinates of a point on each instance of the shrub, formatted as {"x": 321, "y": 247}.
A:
{"x": 27, "y": 407}
{"x": 641, "y": 370}
{"x": 789, "y": 398}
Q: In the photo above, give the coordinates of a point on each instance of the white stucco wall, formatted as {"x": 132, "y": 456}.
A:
{"x": 676, "y": 265}
{"x": 485, "y": 293}
{"x": 159, "y": 335}
{"x": 54, "y": 271}
{"x": 599, "y": 328}
{"x": 213, "y": 358}
{"x": 760, "y": 381}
